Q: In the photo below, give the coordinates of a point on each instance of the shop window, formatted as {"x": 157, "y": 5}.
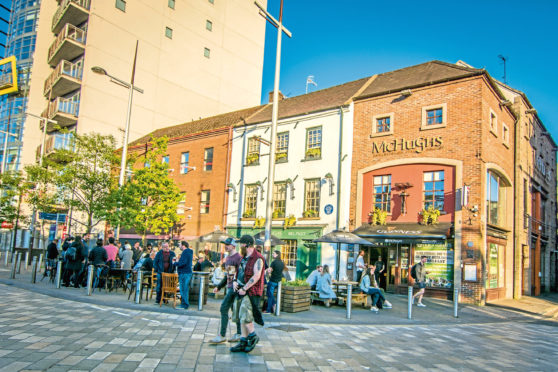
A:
{"x": 495, "y": 278}
{"x": 208, "y": 159}
{"x": 279, "y": 199}
{"x": 253, "y": 153}
{"x": 434, "y": 117}
{"x": 184, "y": 162}
{"x": 313, "y": 143}
{"x": 495, "y": 199}
{"x": 205, "y": 201}
{"x": 282, "y": 150}
{"x": 208, "y": 25}
{"x": 120, "y": 5}
{"x": 433, "y": 188}
{"x": 493, "y": 123}
{"x": 288, "y": 253}
{"x": 311, "y": 198}
{"x": 382, "y": 192}
{"x": 250, "y": 201}
{"x": 382, "y": 125}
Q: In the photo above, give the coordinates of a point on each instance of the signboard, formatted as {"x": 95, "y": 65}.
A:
{"x": 328, "y": 209}
{"x": 6, "y": 225}
{"x": 55, "y": 217}
{"x": 470, "y": 273}
{"x": 439, "y": 264}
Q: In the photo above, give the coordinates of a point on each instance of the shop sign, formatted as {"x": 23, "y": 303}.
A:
{"x": 6, "y": 225}
{"x": 401, "y": 144}
{"x": 439, "y": 264}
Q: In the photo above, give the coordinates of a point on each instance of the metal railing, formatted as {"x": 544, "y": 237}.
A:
{"x": 68, "y": 106}
{"x": 74, "y": 70}
{"x": 64, "y": 6}
{"x": 68, "y": 32}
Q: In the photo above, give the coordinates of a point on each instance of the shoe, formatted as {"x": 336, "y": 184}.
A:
{"x": 374, "y": 309}
{"x": 252, "y": 341}
{"x": 184, "y": 306}
{"x": 235, "y": 338}
{"x": 240, "y": 347}
{"x": 217, "y": 339}
{"x": 420, "y": 304}
{"x": 387, "y": 306}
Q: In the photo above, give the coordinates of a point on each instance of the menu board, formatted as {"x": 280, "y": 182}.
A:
{"x": 439, "y": 264}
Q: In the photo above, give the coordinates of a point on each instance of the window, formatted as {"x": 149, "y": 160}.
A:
{"x": 382, "y": 192}
{"x": 505, "y": 135}
{"x": 209, "y": 25}
{"x": 211, "y": 1}
{"x": 314, "y": 143}
{"x": 312, "y": 198}
{"x": 434, "y": 190}
{"x": 206, "y": 52}
{"x": 281, "y": 153}
{"x": 165, "y": 159}
{"x": 279, "y": 199}
{"x": 495, "y": 199}
{"x": 171, "y": 4}
{"x": 205, "y": 199}
{"x": 121, "y": 5}
{"x": 208, "y": 159}
{"x": 168, "y": 32}
{"x": 434, "y": 117}
{"x": 288, "y": 252}
{"x": 181, "y": 204}
{"x": 253, "y": 154}
{"x": 184, "y": 161}
{"x": 493, "y": 123}
{"x": 382, "y": 124}
{"x": 251, "y": 201}
{"x": 495, "y": 278}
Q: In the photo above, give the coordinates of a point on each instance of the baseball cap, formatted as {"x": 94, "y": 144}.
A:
{"x": 229, "y": 241}
{"x": 246, "y": 239}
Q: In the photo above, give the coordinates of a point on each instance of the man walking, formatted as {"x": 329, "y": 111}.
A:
{"x": 52, "y": 255}
{"x": 232, "y": 264}
{"x": 421, "y": 272}
{"x": 276, "y": 274}
{"x": 162, "y": 264}
{"x": 249, "y": 286}
{"x": 360, "y": 265}
{"x": 184, "y": 268}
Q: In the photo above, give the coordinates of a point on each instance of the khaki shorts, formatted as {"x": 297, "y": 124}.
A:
{"x": 242, "y": 310}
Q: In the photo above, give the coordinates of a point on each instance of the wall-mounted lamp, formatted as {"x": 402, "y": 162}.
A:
{"x": 232, "y": 187}
{"x": 188, "y": 167}
{"x": 505, "y": 103}
{"x": 531, "y": 111}
{"x": 290, "y": 183}
{"x": 259, "y": 185}
{"x": 406, "y": 92}
{"x": 329, "y": 178}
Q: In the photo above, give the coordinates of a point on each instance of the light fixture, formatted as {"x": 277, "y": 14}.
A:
{"x": 289, "y": 182}
{"x": 406, "y": 92}
{"x": 232, "y": 187}
{"x": 259, "y": 185}
{"x": 99, "y": 70}
{"x": 329, "y": 177}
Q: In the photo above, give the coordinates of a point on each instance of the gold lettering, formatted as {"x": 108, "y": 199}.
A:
{"x": 418, "y": 144}
{"x": 376, "y": 148}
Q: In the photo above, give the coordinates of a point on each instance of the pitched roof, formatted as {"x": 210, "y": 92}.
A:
{"x": 428, "y": 73}
{"x": 201, "y": 125}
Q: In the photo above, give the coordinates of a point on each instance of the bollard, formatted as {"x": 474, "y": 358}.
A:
{"x": 34, "y": 271}
{"x": 90, "y": 270}
{"x": 200, "y": 299}
{"x": 138, "y": 286}
{"x": 455, "y": 301}
{"x": 6, "y": 259}
{"x": 278, "y": 302}
{"x": 18, "y": 263}
{"x": 349, "y": 300}
{"x": 13, "y": 272}
{"x": 410, "y": 302}
{"x": 58, "y": 273}
{"x": 40, "y": 262}
{"x": 26, "y": 261}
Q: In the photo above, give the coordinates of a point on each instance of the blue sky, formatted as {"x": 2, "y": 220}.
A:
{"x": 340, "y": 41}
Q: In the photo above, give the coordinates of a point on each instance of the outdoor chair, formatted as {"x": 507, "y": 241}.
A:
{"x": 169, "y": 288}
{"x": 146, "y": 283}
{"x": 100, "y": 277}
{"x": 153, "y": 282}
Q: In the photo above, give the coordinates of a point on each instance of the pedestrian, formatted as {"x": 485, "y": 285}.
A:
{"x": 162, "y": 264}
{"x": 369, "y": 286}
{"x": 323, "y": 286}
{"x": 98, "y": 257}
{"x": 74, "y": 262}
{"x": 378, "y": 273}
{"x": 184, "y": 268}
{"x": 249, "y": 288}
{"x": 360, "y": 265}
{"x": 275, "y": 272}
{"x": 313, "y": 277}
{"x": 136, "y": 253}
{"x": 112, "y": 251}
{"x": 203, "y": 264}
{"x": 126, "y": 257}
{"x": 232, "y": 264}
{"x": 420, "y": 278}
{"x": 52, "y": 256}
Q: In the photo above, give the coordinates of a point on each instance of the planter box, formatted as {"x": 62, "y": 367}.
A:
{"x": 295, "y": 299}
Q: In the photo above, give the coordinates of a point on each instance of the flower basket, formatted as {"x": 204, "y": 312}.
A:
{"x": 280, "y": 157}
{"x": 253, "y": 159}
{"x": 249, "y": 213}
{"x": 378, "y": 217}
{"x": 289, "y": 222}
{"x": 310, "y": 213}
{"x": 430, "y": 216}
{"x": 259, "y": 223}
{"x": 313, "y": 153}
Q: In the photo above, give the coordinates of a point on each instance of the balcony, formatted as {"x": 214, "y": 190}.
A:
{"x": 69, "y": 44}
{"x": 54, "y": 143}
{"x": 64, "y": 79}
{"x": 539, "y": 227}
{"x": 63, "y": 110}
{"x": 74, "y": 12}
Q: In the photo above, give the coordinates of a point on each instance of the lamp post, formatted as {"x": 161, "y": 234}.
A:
{"x": 4, "y": 155}
{"x": 131, "y": 87}
{"x": 271, "y": 168}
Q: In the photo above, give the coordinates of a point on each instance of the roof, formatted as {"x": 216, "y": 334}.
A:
{"x": 428, "y": 73}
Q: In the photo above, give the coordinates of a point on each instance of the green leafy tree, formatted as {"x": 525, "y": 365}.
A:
{"x": 12, "y": 189}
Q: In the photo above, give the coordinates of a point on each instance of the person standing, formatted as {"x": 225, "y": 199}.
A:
{"x": 232, "y": 264}
{"x": 112, "y": 250}
{"x": 203, "y": 264}
{"x": 360, "y": 265}
{"x": 162, "y": 264}
{"x": 421, "y": 272}
{"x": 276, "y": 274}
{"x": 74, "y": 259}
{"x": 249, "y": 286}
{"x": 126, "y": 257}
{"x": 136, "y": 253}
{"x": 52, "y": 255}
{"x": 184, "y": 268}
{"x": 378, "y": 273}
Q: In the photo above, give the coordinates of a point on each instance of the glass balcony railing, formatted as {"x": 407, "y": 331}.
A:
{"x": 58, "y": 142}
{"x": 64, "y": 69}
{"x": 64, "y": 111}
{"x": 70, "y": 11}
{"x": 74, "y": 48}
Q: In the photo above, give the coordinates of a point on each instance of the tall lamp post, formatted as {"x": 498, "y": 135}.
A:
{"x": 131, "y": 87}
{"x": 273, "y": 140}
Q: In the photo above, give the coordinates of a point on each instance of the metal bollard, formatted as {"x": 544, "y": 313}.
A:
{"x": 18, "y": 263}
{"x": 26, "y": 261}
{"x": 34, "y": 271}
{"x": 138, "y": 286}
{"x": 455, "y": 302}
{"x": 6, "y": 259}
{"x": 13, "y": 272}
{"x": 278, "y": 302}
{"x": 58, "y": 273}
{"x": 40, "y": 262}
{"x": 349, "y": 300}
{"x": 410, "y": 302}
{"x": 90, "y": 270}
{"x": 200, "y": 299}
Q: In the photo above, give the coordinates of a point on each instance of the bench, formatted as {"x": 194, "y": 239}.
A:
{"x": 315, "y": 296}
{"x": 356, "y": 298}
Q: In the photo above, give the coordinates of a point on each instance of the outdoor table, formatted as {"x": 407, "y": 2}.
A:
{"x": 118, "y": 275}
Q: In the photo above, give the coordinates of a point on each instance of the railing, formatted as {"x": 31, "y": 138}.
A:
{"x": 58, "y": 142}
{"x": 6, "y": 79}
{"x": 70, "y": 69}
{"x": 63, "y": 6}
{"x": 68, "y": 32}
{"x": 539, "y": 227}
{"x": 64, "y": 105}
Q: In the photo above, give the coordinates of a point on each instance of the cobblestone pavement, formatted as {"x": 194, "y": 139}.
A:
{"x": 39, "y": 332}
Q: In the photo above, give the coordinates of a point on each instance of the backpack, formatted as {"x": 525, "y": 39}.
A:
{"x": 71, "y": 254}
{"x": 414, "y": 272}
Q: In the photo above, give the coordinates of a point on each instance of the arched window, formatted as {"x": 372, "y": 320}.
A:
{"x": 495, "y": 199}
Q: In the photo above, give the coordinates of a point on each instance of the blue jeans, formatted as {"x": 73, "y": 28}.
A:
{"x": 159, "y": 287}
{"x": 184, "y": 285}
{"x": 377, "y": 296}
{"x": 271, "y": 286}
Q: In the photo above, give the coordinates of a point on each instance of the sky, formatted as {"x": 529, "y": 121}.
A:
{"x": 340, "y": 41}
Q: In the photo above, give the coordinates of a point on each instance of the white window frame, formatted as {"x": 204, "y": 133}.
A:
{"x": 444, "y": 123}
{"x": 375, "y": 119}
{"x": 505, "y": 135}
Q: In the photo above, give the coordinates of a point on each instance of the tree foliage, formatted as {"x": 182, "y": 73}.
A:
{"x": 13, "y": 186}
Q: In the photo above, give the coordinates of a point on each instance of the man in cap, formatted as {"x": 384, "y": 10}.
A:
{"x": 249, "y": 286}
{"x": 232, "y": 264}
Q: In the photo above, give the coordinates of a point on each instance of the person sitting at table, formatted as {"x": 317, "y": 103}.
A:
{"x": 313, "y": 277}
{"x": 218, "y": 274}
{"x": 369, "y": 286}
{"x": 203, "y": 264}
{"x": 323, "y": 286}
{"x": 126, "y": 257}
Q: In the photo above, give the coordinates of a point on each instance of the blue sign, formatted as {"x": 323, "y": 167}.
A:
{"x": 61, "y": 217}
{"x": 328, "y": 209}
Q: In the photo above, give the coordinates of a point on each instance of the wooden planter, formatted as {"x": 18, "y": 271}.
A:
{"x": 295, "y": 299}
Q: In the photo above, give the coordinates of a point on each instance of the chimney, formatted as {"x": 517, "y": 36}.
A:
{"x": 281, "y": 96}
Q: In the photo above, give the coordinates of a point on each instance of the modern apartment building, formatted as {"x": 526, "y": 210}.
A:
{"x": 195, "y": 58}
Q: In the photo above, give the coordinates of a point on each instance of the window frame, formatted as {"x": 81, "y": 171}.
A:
{"x": 305, "y": 206}
{"x": 276, "y": 201}
{"x": 249, "y": 200}
{"x": 182, "y": 162}
{"x": 501, "y": 202}
{"x": 171, "y": 4}
{"x": 433, "y": 200}
{"x": 181, "y": 207}
{"x": 165, "y": 159}
{"x": 493, "y": 124}
{"x": 278, "y": 148}
{"x": 306, "y": 144}
{"x": 253, "y": 147}
{"x": 119, "y": 3}
{"x": 167, "y": 33}
{"x": 505, "y": 135}
{"x": 205, "y": 204}
{"x": 383, "y": 202}
{"x": 207, "y": 52}
{"x": 289, "y": 250}
{"x": 375, "y": 119}
{"x": 426, "y": 109}
{"x": 208, "y": 161}
{"x": 208, "y": 25}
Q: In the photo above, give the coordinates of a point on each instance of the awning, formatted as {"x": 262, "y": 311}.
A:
{"x": 405, "y": 233}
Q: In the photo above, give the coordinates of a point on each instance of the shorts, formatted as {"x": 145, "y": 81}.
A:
{"x": 422, "y": 285}
{"x": 246, "y": 310}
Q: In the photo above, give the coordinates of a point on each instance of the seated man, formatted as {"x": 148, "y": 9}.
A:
{"x": 313, "y": 277}
{"x": 203, "y": 264}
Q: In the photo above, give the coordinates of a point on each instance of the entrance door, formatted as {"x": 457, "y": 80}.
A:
{"x": 398, "y": 257}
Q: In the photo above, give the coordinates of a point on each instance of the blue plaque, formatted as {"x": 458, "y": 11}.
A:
{"x": 328, "y": 209}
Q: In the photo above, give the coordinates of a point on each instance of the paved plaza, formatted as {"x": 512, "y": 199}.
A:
{"x": 44, "y": 333}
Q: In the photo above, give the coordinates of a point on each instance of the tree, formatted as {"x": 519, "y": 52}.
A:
{"x": 13, "y": 186}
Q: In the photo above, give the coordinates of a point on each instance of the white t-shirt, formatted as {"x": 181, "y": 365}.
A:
{"x": 360, "y": 263}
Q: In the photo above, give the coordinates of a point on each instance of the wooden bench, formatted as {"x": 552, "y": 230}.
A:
{"x": 356, "y": 298}
{"x": 315, "y": 296}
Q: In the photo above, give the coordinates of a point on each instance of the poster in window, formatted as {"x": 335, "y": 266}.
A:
{"x": 439, "y": 263}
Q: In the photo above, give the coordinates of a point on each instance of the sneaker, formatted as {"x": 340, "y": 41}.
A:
{"x": 235, "y": 338}
{"x": 252, "y": 341}
{"x": 420, "y": 304}
{"x": 374, "y": 309}
{"x": 387, "y": 306}
{"x": 240, "y": 347}
{"x": 217, "y": 340}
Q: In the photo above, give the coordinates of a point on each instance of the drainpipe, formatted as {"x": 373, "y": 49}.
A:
{"x": 517, "y": 267}
{"x": 227, "y": 177}
{"x": 339, "y": 164}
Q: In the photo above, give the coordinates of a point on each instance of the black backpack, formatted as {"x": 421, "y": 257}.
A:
{"x": 414, "y": 272}
{"x": 71, "y": 254}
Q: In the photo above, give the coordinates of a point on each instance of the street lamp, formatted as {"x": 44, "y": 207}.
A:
{"x": 4, "y": 155}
